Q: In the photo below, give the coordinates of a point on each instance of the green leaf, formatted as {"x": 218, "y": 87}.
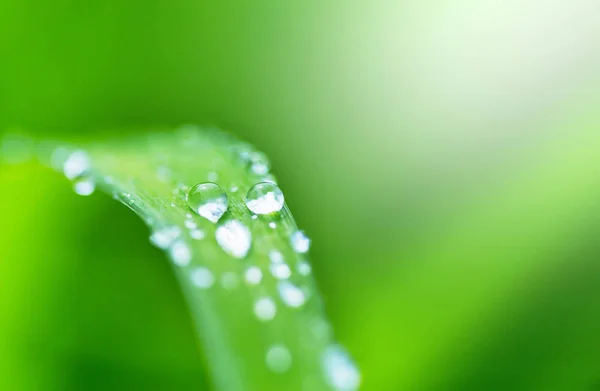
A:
{"x": 290, "y": 346}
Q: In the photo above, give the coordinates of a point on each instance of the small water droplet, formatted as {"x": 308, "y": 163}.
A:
{"x": 180, "y": 253}
{"x": 234, "y": 238}
{"x": 84, "y": 186}
{"x": 229, "y": 280}
{"x": 77, "y": 164}
{"x": 291, "y": 295}
{"x": 197, "y": 234}
{"x": 202, "y": 278}
{"x": 253, "y": 275}
{"x": 275, "y": 256}
{"x": 304, "y": 268}
{"x": 254, "y": 217}
{"x": 300, "y": 242}
{"x": 273, "y": 225}
{"x": 265, "y": 309}
{"x": 208, "y": 200}
{"x": 234, "y": 189}
{"x": 278, "y": 359}
{"x": 163, "y": 238}
{"x": 280, "y": 271}
{"x": 259, "y": 163}
{"x": 264, "y": 198}
{"x": 340, "y": 371}
{"x": 190, "y": 224}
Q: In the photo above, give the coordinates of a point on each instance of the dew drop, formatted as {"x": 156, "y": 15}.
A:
{"x": 190, "y": 224}
{"x": 264, "y": 198}
{"x": 234, "y": 238}
{"x": 253, "y": 275}
{"x": 208, "y": 200}
{"x": 197, "y": 234}
{"x": 273, "y": 225}
{"x": 84, "y": 186}
{"x": 163, "y": 237}
{"x": 202, "y": 278}
{"x": 278, "y": 359}
{"x": 304, "y": 268}
{"x": 340, "y": 371}
{"x": 265, "y": 309}
{"x": 275, "y": 256}
{"x": 280, "y": 271}
{"x": 291, "y": 295}
{"x": 180, "y": 253}
{"x": 77, "y": 164}
{"x": 300, "y": 242}
{"x": 259, "y": 163}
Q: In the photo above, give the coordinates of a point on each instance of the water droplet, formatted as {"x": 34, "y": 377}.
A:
{"x": 291, "y": 295}
{"x": 208, "y": 200}
{"x": 273, "y": 225}
{"x": 265, "y": 309}
{"x": 259, "y": 163}
{"x": 163, "y": 238}
{"x": 264, "y": 198}
{"x": 341, "y": 373}
{"x": 202, "y": 278}
{"x": 304, "y": 268}
{"x": 275, "y": 256}
{"x": 229, "y": 280}
{"x": 280, "y": 271}
{"x": 77, "y": 164}
{"x": 180, "y": 253}
{"x": 190, "y": 224}
{"x": 234, "y": 189}
{"x": 300, "y": 242}
{"x": 254, "y": 217}
{"x": 84, "y": 186}
{"x": 279, "y": 359}
{"x": 253, "y": 275}
{"x": 234, "y": 238}
{"x": 197, "y": 234}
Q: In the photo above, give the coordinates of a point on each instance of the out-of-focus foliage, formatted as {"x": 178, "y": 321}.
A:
{"x": 442, "y": 157}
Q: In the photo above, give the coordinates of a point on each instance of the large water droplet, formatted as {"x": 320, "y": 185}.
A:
{"x": 234, "y": 238}
{"x": 340, "y": 371}
{"x": 290, "y": 294}
{"x": 300, "y": 242}
{"x": 208, "y": 200}
{"x": 77, "y": 164}
{"x": 264, "y": 198}
{"x": 279, "y": 359}
{"x": 265, "y": 309}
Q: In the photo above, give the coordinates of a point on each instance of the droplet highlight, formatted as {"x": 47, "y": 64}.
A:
{"x": 264, "y": 198}
{"x": 290, "y": 294}
{"x": 253, "y": 275}
{"x": 77, "y": 164}
{"x": 208, "y": 200}
{"x": 202, "y": 278}
{"x": 340, "y": 371}
{"x": 180, "y": 253}
{"x": 265, "y": 309}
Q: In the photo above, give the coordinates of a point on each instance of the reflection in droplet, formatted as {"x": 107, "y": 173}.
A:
{"x": 264, "y": 198}
{"x": 208, "y": 200}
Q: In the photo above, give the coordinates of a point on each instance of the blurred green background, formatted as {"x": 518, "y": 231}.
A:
{"x": 443, "y": 156}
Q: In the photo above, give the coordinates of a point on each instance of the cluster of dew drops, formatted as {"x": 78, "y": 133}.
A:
{"x": 208, "y": 200}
